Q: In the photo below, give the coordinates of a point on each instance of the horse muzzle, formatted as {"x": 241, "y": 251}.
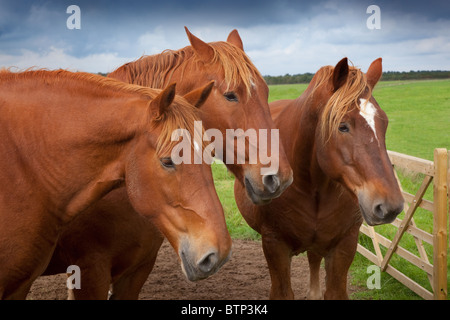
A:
{"x": 197, "y": 266}
{"x": 379, "y": 211}
{"x": 271, "y": 187}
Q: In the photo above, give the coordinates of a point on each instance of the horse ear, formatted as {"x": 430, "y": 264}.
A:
{"x": 374, "y": 73}
{"x": 198, "y": 97}
{"x": 340, "y": 74}
{"x": 159, "y": 105}
{"x": 201, "y": 48}
{"x": 235, "y": 39}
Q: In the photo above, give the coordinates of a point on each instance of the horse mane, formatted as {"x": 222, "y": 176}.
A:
{"x": 99, "y": 83}
{"x": 156, "y": 70}
{"x": 343, "y": 100}
{"x": 179, "y": 115}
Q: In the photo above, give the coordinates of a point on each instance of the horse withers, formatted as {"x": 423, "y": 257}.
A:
{"x": 334, "y": 138}
{"x": 67, "y": 139}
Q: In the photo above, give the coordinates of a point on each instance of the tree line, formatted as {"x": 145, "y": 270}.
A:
{"x": 387, "y": 76}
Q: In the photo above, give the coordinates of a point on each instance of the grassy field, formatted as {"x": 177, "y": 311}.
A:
{"x": 419, "y": 121}
{"x": 418, "y": 111}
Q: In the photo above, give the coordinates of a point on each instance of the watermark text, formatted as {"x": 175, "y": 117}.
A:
{"x": 374, "y": 280}
{"x": 74, "y": 20}
{"x": 73, "y": 277}
{"x": 250, "y": 146}
{"x": 374, "y": 21}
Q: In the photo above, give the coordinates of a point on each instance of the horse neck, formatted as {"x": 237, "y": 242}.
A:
{"x": 76, "y": 146}
{"x": 298, "y": 123}
{"x": 105, "y": 121}
{"x": 105, "y": 150}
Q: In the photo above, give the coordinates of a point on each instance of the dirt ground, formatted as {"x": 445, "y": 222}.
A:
{"x": 244, "y": 277}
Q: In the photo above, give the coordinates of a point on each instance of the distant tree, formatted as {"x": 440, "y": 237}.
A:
{"x": 387, "y": 76}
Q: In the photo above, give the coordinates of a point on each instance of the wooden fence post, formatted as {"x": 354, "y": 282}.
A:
{"x": 448, "y": 187}
{"x": 440, "y": 224}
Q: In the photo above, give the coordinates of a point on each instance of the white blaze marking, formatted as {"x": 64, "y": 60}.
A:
{"x": 368, "y": 112}
{"x": 196, "y": 146}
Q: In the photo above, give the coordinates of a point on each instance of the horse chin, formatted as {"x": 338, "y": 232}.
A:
{"x": 192, "y": 269}
{"x": 189, "y": 272}
{"x": 253, "y": 195}
{"x": 368, "y": 218}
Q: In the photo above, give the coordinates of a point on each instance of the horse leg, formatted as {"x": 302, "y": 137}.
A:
{"x": 129, "y": 286}
{"x": 21, "y": 292}
{"x": 17, "y": 276}
{"x": 26, "y": 247}
{"x": 337, "y": 263}
{"x": 278, "y": 256}
{"x": 95, "y": 280}
{"x": 314, "y": 292}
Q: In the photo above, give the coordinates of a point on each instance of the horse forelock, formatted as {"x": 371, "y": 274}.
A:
{"x": 237, "y": 66}
{"x": 180, "y": 115}
{"x": 343, "y": 100}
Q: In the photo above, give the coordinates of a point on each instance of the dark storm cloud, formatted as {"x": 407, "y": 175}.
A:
{"x": 281, "y": 36}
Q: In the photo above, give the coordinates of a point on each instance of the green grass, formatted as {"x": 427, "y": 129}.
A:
{"x": 418, "y": 111}
{"x": 419, "y": 121}
{"x": 419, "y": 115}
{"x": 224, "y": 183}
{"x": 286, "y": 91}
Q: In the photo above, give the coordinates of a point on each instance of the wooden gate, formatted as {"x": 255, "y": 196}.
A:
{"x": 438, "y": 172}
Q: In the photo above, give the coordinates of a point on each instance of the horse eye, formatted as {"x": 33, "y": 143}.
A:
{"x": 167, "y": 163}
{"x": 231, "y": 96}
{"x": 343, "y": 127}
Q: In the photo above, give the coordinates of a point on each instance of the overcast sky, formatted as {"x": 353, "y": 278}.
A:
{"x": 280, "y": 36}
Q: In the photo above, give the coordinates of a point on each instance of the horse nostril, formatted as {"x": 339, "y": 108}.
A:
{"x": 379, "y": 211}
{"x": 387, "y": 213}
{"x": 207, "y": 263}
{"x": 271, "y": 182}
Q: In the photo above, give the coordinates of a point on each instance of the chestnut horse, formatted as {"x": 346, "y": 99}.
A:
{"x": 334, "y": 137}
{"x": 67, "y": 139}
{"x": 239, "y": 99}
